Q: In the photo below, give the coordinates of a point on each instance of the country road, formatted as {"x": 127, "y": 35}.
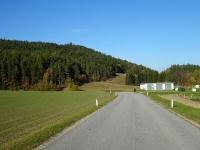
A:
{"x": 132, "y": 122}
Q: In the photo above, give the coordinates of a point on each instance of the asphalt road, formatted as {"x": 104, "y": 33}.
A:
{"x": 132, "y": 122}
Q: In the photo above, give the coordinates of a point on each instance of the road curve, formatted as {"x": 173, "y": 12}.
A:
{"x": 132, "y": 122}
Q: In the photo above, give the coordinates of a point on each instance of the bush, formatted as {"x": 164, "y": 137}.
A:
{"x": 181, "y": 89}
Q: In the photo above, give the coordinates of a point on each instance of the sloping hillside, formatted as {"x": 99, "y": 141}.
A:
{"x": 182, "y": 74}
{"x": 114, "y": 84}
{"x": 47, "y": 66}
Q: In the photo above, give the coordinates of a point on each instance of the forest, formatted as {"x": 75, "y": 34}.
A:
{"x": 49, "y": 66}
{"x": 184, "y": 75}
{"x": 181, "y": 75}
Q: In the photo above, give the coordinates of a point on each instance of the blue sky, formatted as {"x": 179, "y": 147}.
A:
{"x": 155, "y": 33}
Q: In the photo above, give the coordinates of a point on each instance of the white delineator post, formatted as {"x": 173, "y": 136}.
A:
{"x": 116, "y": 94}
{"x": 147, "y": 94}
{"x": 97, "y": 102}
{"x": 172, "y": 103}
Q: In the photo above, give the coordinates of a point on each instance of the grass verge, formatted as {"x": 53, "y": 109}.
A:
{"x": 189, "y": 112}
{"x": 196, "y": 98}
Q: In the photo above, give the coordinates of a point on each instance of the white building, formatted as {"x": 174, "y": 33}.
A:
{"x": 197, "y": 86}
{"x": 194, "y": 89}
{"x": 157, "y": 86}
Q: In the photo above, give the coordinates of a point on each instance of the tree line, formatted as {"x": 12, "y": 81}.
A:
{"x": 139, "y": 74}
{"x": 183, "y": 75}
{"x": 49, "y": 66}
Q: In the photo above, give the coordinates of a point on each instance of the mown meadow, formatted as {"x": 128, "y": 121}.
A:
{"x": 28, "y": 118}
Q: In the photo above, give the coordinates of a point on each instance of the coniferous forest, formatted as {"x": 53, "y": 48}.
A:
{"x": 48, "y": 66}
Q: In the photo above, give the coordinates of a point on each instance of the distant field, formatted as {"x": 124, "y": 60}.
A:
{"x": 119, "y": 79}
{"x": 104, "y": 86}
{"x": 187, "y": 99}
{"x": 29, "y": 118}
{"x": 115, "y": 84}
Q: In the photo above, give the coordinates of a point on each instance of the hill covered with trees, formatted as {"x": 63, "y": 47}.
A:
{"x": 185, "y": 75}
{"x": 49, "y": 66}
{"x": 139, "y": 74}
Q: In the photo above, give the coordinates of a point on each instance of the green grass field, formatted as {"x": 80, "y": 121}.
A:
{"x": 186, "y": 93}
{"x": 29, "y": 118}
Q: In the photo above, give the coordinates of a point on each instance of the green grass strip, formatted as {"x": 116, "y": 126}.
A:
{"x": 184, "y": 110}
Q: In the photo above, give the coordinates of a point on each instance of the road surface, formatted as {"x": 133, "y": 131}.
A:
{"x": 132, "y": 122}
